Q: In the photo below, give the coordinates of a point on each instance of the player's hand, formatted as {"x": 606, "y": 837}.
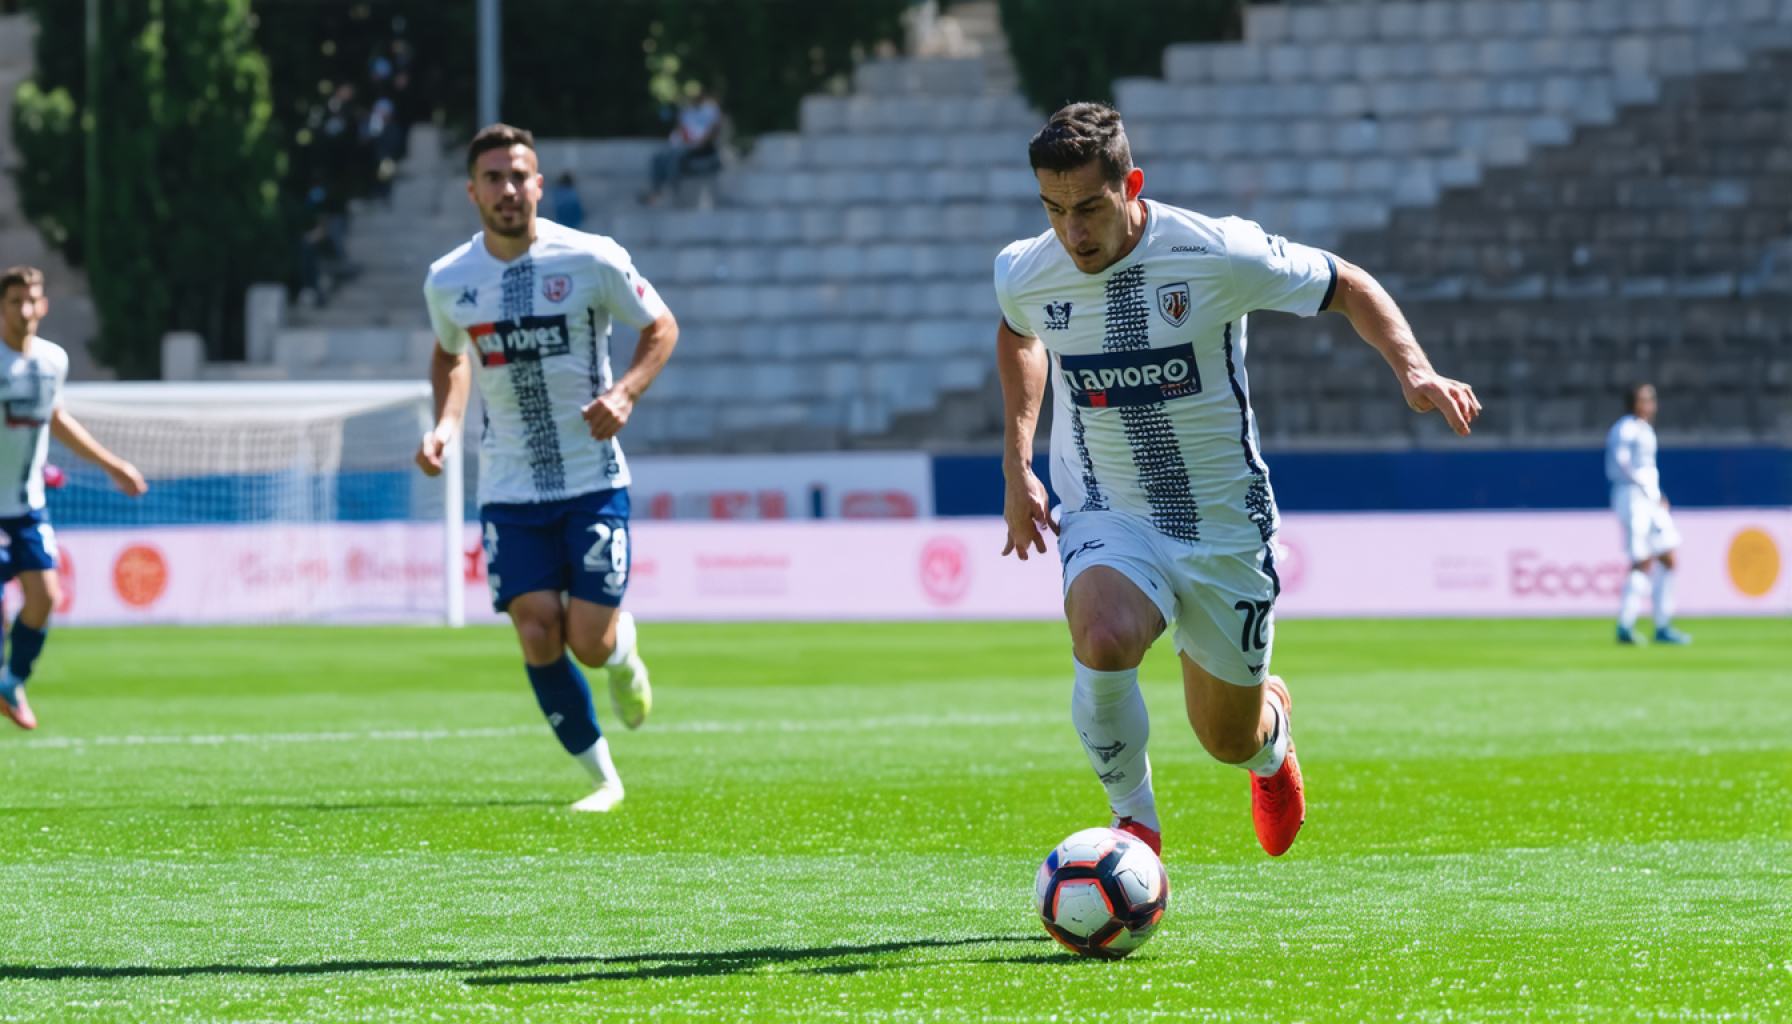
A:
{"x": 1426, "y": 391}
{"x": 431, "y": 452}
{"x": 1028, "y": 515}
{"x": 126, "y": 478}
{"x": 608, "y": 413}
{"x": 1664, "y": 503}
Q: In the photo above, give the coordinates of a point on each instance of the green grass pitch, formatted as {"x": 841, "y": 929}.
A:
{"x": 1507, "y": 821}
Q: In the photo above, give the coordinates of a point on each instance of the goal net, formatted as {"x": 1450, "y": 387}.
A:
{"x": 267, "y": 502}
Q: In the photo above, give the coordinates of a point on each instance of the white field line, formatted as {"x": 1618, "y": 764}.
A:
{"x": 868, "y": 724}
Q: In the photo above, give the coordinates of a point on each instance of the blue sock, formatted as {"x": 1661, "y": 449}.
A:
{"x": 27, "y": 644}
{"x": 566, "y": 701}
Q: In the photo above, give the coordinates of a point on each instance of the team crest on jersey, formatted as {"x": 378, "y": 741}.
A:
{"x": 1057, "y": 316}
{"x": 1173, "y": 303}
{"x": 556, "y": 287}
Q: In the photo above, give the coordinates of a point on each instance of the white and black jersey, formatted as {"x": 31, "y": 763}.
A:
{"x": 1153, "y": 414}
{"x": 31, "y": 388}
{"x": 539, "y": 328}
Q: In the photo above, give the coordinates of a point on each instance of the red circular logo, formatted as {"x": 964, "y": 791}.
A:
{"x": 945, "y": 570}
{"x": 140, "y": 575}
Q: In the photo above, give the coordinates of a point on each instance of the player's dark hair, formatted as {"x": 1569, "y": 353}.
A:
{"x": 497, "y": 136}
{"x": 1633, "y": 393}
{"x": 1078, "y": 134}
{"x": 20, "y": 276}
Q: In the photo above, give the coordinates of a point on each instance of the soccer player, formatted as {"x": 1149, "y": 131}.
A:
{"x": 1137, "y": 312}
{"x": 533, "y": 301}
{"x": 1648, "y": 530}
{"x": 32, "y": 372}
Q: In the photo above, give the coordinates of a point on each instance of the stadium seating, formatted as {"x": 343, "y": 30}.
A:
{"x": 1653, "y": 247}
{"x": 839, "y": 294}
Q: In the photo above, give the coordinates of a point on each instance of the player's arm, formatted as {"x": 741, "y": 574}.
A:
{"x": 1022, "y": 364}
{"x": 1372, "y": 311}
{"x": 1621, "y": 457}
{"x": 450, "y": 381}
{"x": 75, "y": 438}
{"x": 608, "y": 413}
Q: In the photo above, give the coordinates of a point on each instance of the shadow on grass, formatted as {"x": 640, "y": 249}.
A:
{"x": 599, "y": 968}
{"x": 713, "y": 964}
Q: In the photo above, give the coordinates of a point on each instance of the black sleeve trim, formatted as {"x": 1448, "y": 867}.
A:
{"x": 1330, "y": 289}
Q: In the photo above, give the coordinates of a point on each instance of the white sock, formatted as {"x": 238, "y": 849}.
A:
{"x": 597, "y": 761}
{"x": 625, "y": 640}
{"x": 1109, "y": 713}
{"x": 1663, "y": 598}
{"x": 1634, "y": 587}
{"x": 1268, "y": 761}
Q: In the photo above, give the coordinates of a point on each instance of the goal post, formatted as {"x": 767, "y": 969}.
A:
{"x": 268, "y": 501}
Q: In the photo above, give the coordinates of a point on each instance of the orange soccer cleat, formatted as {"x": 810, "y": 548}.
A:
{"x": 1143, "y": 833}
{"x": 1278, "y": 804}
{"x": 14, "y": 705}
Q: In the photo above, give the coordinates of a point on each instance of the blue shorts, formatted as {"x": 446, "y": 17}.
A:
{"x": 31, "y": 544}
{"x": 577, "y": 546}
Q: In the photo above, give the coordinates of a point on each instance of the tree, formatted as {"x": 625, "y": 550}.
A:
{"x": 1067, "y": 51}
{"x": 185, "y": 214}
{"x": 763, "y": 56}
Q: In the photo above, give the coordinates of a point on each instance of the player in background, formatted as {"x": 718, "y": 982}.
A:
{"x": 32, "y": 373}
{"x": 532, "y": 301}
{"x": 1137, "y": 312}
{"x": 1649, "y": 534}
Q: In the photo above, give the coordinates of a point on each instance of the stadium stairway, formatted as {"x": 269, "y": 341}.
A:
{"x": 840, "y": 297}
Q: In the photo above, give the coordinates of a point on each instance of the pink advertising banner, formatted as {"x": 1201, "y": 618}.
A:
{"x": 1733, "y": 562}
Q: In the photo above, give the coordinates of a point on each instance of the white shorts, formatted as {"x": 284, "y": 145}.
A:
{"x": 1222, "y": 606}
{"x": 1647, "y": 528}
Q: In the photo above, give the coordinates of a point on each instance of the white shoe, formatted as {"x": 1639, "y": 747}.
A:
{"x": 630, "y": 692}
{"x": 606, "y": 798}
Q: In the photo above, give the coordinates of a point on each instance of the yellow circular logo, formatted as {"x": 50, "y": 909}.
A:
{"x": 1754, "y": 562}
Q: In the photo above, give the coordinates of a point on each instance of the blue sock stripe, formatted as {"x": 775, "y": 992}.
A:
{"x": 565, "y": 700}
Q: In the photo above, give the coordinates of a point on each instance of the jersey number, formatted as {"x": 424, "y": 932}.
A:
{"x": 1256, "y": 621}
{"x": 609, "y": 555}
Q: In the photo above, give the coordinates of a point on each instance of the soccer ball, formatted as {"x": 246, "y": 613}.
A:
{"x": 1101, "y": 893}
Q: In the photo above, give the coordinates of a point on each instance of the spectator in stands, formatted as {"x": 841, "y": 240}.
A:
{"x": 694, "y": 143}
{"x": 563, "y": 199}
{"x": 383, "y": 134}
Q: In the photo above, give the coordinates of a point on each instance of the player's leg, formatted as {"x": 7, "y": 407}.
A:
{"x": 1242, "y": 716}
{"x": 42, "y": 589}
{"x": 598, "y": 630}
{"x": 1633, "y": 522}
{"x": 1113, "y": 617}
{"x": 525, "y": 566}
{"x": 1630, "y": 602}
{"x": 31, "y": 556}
{"x": 12, "y": 699}
{"x": 1663, "y": 602}
{"x": 604, "y": 636}
{"x": 562, "y": 693}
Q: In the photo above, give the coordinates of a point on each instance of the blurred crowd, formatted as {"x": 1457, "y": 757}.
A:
{"x": 356, "y": 137}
